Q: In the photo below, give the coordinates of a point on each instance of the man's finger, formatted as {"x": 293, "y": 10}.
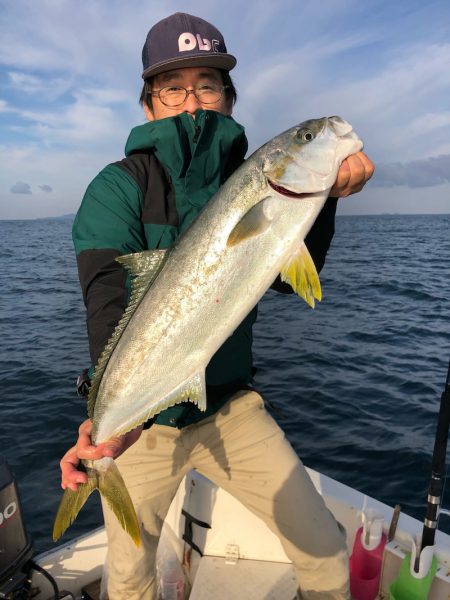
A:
{"x": 113, "y": 447}
{"x": 344, "y": 174}
{"x": 362, "y": 169}
{"x": 70, "y": 475}
{"x": 85, "y": 427}
{"x": 85, "y": 447}
{"x": 357, "y": 177}
{"x": 369, "y": 166}
{"x": 353, "y": 174}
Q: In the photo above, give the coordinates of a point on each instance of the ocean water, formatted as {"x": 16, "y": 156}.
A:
{"x": 355, "y": 383}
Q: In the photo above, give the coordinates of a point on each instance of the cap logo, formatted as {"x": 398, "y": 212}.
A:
{"x": 188, "y": 41}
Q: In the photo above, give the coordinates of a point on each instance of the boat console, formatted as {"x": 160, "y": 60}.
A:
{"x": 16, "y": 547}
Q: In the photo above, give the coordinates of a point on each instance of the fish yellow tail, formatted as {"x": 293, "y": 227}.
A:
{"x": 102, "y": 475}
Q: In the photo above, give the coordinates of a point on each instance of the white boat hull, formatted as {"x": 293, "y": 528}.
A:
{"x": 241, "y": 556}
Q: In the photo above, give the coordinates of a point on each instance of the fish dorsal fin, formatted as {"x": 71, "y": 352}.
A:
{"x": 301, "y": 274}
{"x": 254, "y": 222}
{"x": 143, "y": 263}
{"x": 143, "y": 267}
{"x": 192, "y": 390}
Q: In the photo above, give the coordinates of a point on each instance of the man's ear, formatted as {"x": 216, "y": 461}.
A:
{"x": 148, "y": 112}
{"x": 228, "y": 107}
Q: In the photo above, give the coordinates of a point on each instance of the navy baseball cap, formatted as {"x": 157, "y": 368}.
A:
{"x": 183, "y": 40}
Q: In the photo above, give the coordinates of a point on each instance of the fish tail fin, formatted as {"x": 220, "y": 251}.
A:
{"x": 71, "y": 504}
{"x": 104, "y": 476}
{"x": 113, "y": 489}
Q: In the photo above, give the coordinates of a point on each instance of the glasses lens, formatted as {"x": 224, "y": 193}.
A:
{"x": 208, "y": 94}
{"x": 205, "y": 94}
{"x": 172, "y": 96}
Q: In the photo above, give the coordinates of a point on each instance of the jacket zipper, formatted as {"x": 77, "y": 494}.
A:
{"x": 198, "y": 130}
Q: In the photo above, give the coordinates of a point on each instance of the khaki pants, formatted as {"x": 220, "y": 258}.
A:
{"x": 242, "y": 450}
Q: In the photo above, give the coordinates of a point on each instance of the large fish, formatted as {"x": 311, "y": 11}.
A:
{"x": 186, "y": 301}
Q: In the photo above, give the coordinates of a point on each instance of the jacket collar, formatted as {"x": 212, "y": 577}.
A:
{"x": 202, "y": 152}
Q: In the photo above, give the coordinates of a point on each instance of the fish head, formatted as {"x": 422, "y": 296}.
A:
{"x": 305, "y": 159}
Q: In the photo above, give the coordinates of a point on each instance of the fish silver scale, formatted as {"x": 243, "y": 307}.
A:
{"x": 207, "y": 287}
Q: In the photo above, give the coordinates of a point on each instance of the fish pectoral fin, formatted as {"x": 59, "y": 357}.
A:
{"x": 192, "y": 390}
{"x": 254, "y": 222}
{"x": 301, "y": 274}
{"x": 109, "y": 482}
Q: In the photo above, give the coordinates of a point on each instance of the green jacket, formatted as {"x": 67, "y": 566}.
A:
{"x": 172, "y": 168}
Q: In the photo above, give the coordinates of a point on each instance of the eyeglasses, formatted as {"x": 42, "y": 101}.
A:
{"x": 176, "y": 96}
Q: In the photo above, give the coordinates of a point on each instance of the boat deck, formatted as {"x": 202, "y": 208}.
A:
{"x": 244, "y": 579}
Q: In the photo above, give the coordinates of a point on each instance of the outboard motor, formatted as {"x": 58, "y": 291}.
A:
{"x": 16, "y": 547}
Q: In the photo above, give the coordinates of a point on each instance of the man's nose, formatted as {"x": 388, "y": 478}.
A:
{"x": 191, "y": 103}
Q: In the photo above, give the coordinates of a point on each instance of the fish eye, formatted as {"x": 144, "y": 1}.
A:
{"x": 305, "y": 135}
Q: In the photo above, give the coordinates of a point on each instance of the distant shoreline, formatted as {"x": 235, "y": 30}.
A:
{"x": 59, "y": 218}
{"x": 339, "y": 216}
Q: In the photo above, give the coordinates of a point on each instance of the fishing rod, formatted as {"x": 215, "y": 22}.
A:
{"x": 437, "y": 472}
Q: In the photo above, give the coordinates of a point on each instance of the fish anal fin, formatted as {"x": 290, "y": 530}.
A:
{"x": 193, "y": 390}
{"x": 253, "y": 223}
{"x": 301, "y": 274}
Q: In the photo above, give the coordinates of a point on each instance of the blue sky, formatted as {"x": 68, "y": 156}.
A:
{"x": 70, "y": 81}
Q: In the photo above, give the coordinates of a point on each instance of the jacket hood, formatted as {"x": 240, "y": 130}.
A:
{"x": 198, "y": 155}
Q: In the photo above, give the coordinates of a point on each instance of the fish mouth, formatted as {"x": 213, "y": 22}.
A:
{"x": 285, "y": 191}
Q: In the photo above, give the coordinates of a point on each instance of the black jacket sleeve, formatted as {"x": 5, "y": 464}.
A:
{"x": 105, "y": 295}
{"x": 108, "y": 224}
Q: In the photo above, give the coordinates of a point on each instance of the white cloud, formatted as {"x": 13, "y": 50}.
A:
{"x": 89, "y": 119}
{"x": 106, "y": 96}
{"x": 390, "y": 101}
{"x": 39, "y": 87}
{"x": 386, "y": 103}
{"x": 257, "y": 17}
{"x": 415, "y": 174}
{"x": 428, "y": 122}
{"x": 101, "y": 40}
{"x": 288, "y": 86}
{"x": 5, "y": 107}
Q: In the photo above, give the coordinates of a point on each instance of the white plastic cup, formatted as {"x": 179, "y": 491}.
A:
{"x": 172, "y": 582}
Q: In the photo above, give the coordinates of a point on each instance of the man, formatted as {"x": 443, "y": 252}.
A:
{"x": 146, "y": 201}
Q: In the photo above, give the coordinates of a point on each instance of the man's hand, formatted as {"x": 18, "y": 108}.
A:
{"x": 114, "y": 447}
{"x": 354, "y": 173}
